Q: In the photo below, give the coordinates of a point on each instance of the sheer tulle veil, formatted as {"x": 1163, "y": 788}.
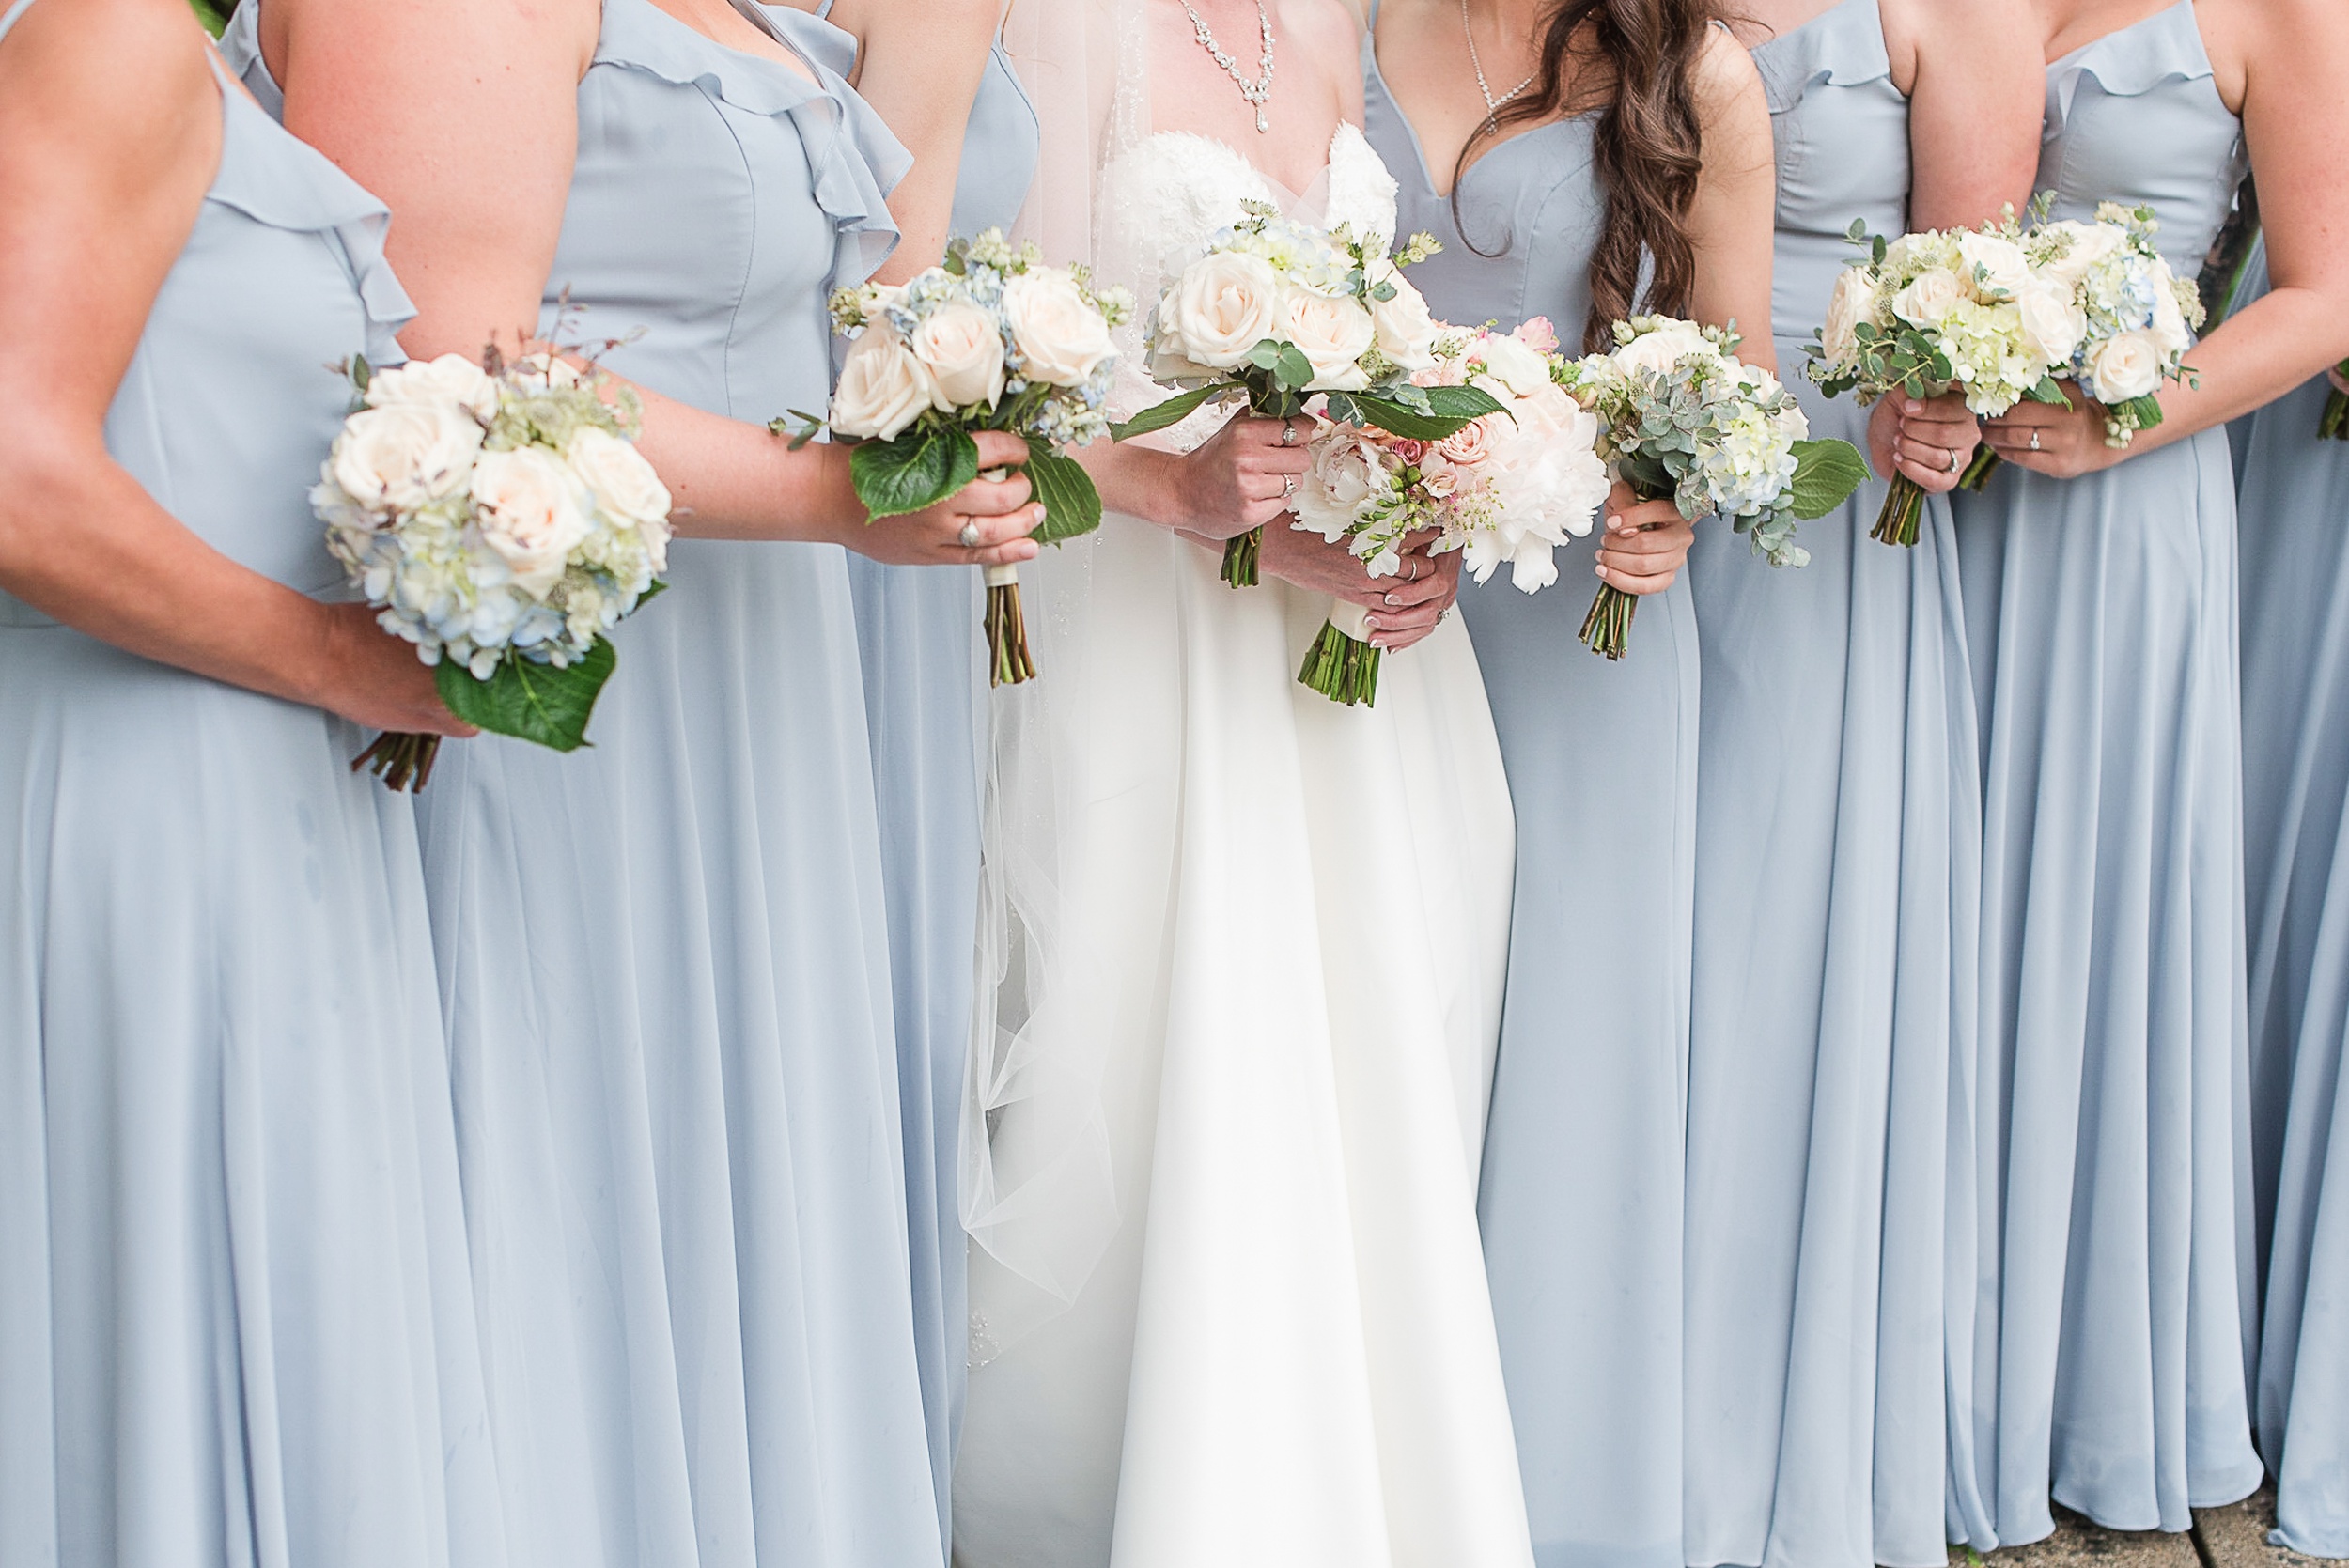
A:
{"x": 1039, "y": 1194}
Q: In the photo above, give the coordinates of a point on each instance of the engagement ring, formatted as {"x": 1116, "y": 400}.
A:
{"x": 1288, "y": 433}
{"x": 2034, "y": 438}
{"x": 970, "y": 536}
{"x": 1957, "y": 460}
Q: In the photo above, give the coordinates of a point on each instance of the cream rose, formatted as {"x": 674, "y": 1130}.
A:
{"x": 1994, "y": 264}
{"x": 2168, "y": 324}
{"x": 1223, "y": 306}
{"x": 1471, "y": 445}
{"x": 617, "y": 476}
{"x": 1059, "y": 333}
{"x": 2090, "y": 243}
{"x": 1852, "y": 302}
{"x": 1928, "y": 298}
{"x": 1518, "y": 366}
{"x": 405, "y": 456}
{"x": 450, "y": 378}
{"x": 532, "y": 511}
{"x": 1406, "y": 330}
{"x": 2124, "y": 366}
{"x": 1332, "y": 332}
{"x": 960, "y": 345}
{"x": 1662, "y": 349}
{"x": 882, "y": 387}
{"x": 2053, "y": 325}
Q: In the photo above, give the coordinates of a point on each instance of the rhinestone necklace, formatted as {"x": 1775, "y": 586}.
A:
{"x": 1255, "y": 92}
{"x": 1492, "y": 104}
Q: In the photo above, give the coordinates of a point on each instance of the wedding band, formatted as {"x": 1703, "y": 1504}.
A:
{"x": 1957, "y": 460}
{"x": 1288, "y": 433}
{"x": 970, "y": 536}
{"x": 1288, "y": 486}
{"x": 2034, "y": 438}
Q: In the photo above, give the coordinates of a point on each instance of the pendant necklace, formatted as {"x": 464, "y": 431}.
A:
{"x": 1255, "y": 92}
{"x": 1492, "y": 104}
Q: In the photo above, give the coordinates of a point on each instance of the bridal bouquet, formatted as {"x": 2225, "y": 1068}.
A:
{"x": 1275, "y": 310}
{"x": 1507, "y": 487}
{"x": 501, "y": 518}
{"x": 1944, "y": 310}
{"x": 1680, "y": 416}
{"x": 991, "y": 340}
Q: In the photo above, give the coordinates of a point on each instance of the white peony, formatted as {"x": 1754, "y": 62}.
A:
{"x": 1518, "y": 366}
{"x": 1852, "y": 302}
{"x": 617, "y": 476}
{"x": 962, "y": 349}
{"x": 1994, "y": 264}
{"x": 2090, "y": 243}
{"x": 2053, "y": 323}
{"x": 1059, "y": 333}
{"x": 882, "y": 387}
{"x": 404, "y": 456}
{"x": 1407, "y": 331}
{"x": 450, "y": 378}
{"x": 1928, "y": 298}
{"x": 2125, "y": 365}
{"x": 1348, "y": 476}
{"x": 1222, "y": 306}
{"x": 1334, "y": 333}
{"x": 533, "y": 510}
{"x": 1664, "y": 347}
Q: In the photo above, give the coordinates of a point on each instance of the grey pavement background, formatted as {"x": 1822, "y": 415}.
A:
{"x": 2230, "y": 1537}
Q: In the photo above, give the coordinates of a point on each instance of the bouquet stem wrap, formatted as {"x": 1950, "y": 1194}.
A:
{"x": 1343, "y": 664}
{"x": 1009, "y": 663}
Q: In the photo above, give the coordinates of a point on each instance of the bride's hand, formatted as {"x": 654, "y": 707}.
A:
{"x": 1240, "y": 479}
{"x": 1404, "y": 608}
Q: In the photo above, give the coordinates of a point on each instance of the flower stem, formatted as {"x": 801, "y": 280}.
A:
{"x": 1008, "y": 660}
{"x": 1903, "y": 504}
{"x": 1978, "y": 471}
{"x": 1341, "y": 666}
{"x": 2333, "y": 425}
{"x": 401, "y": 761}
{"x": 1607, "y": 629}
{"x": 1240, "y": 553}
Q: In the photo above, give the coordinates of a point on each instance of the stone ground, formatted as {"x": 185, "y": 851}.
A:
{"x": 2231, "y": 1537}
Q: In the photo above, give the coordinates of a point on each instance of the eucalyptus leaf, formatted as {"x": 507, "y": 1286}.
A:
{"x": 1826, "y": 474}
{"x": 530, "y": 701}
{"x": 919, "y": 469}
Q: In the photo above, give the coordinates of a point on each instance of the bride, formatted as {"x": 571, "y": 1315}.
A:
{"x": 1228, "y": 1304}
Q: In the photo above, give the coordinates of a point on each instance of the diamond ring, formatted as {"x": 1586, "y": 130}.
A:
{"x": 2034, "y": 438}
{"x": 970, "y": 536}
{"x": 1288, "y": 433}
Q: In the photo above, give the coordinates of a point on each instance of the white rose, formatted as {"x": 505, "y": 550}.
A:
{"x": 406, "y": 456}
{"x": 962, "y": 349}
{"x": 1223, "y": 306}
{"x": 1332, "y": 332}
{"x": 617, "y": 476}
{"x": 450, "y": 378}
{"x": 2053, "y": 324}
{"x": 2168, "y": 324}
{"x": 532, "y": 511}
{"x": 1406, "y": 331}
{"x": 882, "y": 387}
{"x": 1929, "y": 297}
{"x": 2090, "y": 243}
{"x": 1059, "y": 333}
{"x": 1662, "y": 349}
{"x": 2124, "y": 366}
{"x": 1994, "y": 264}
{"x": 1852, "y": 302}
{"x": 1521, "y": 368}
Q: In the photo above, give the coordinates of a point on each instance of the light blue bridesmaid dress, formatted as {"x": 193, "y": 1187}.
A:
{"x": 2115, "y": 1288}
{"x": 1831, "y": 1038}
{"x": 1582, "y": 1197}
{"x": 236, "y": 1324}
{"x": 664, "y": 960}
{"x": 2295, "y": 502}
{"x": 926, "y": 702}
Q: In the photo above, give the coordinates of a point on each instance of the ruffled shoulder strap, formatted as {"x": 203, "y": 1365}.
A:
{"x": 1841, "y": 47}
{"x": 2165, "y": 47}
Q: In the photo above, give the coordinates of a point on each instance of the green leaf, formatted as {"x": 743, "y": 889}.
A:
{"x": 1158, "y": 416}
{"x": 529, "y": 701}
{"x": 2147, "y": 409}
{"x": 1266, "y": 355}
{"x": 1448, "y": 408}
{"x": 919, "y": 469}
{"x": 214, "y": 14}
{"x": 1826, "y": 474}
{"x": 1295, "y": 370}
{"x": 1071, "y": 505}
{"x": 805, "y": 431}
{"x": 2049, "y": 391}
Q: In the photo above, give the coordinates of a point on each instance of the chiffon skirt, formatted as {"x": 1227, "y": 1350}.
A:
{"x": 2295, "y": 740}
{"x": 2114, "y": 1280}
{"x": 665, "y": 971}
{"x": 1832, "y": 1041}
{"x": 1581, "y": 1203}
{"x": 235, "y": 1328}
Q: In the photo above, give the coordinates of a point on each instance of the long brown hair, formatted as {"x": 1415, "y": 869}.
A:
{"x": 1638, "y": 57}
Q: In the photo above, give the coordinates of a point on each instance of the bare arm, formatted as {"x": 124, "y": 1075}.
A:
{"x": 1976, "y": 90}
{"x": 405, "y": 95}
{"x": 1735, "y": 217}
{"x": 920, "y": 66}
{"x": 110, "y": 132}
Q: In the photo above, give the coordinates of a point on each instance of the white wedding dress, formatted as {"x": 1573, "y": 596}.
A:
{"x": 1229, "y": 1306}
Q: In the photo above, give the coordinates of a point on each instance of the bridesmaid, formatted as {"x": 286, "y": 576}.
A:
{"x": 235, "y": 1320}
{"x": 939, "y": 76}
{"x": 2294, "y": 500}
{"x": 2100, "y": 602}
{"x": 665, "y": 961}
{"x": 1838, "y": 813}
{"x": 1517, "y": 147}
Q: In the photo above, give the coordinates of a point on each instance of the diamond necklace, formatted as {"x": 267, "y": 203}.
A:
{"x": 1492, "y": 104}
{"x": 1255, "y": 92}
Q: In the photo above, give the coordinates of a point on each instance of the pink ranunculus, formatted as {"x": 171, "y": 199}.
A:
{"x": 1409, "y": 451}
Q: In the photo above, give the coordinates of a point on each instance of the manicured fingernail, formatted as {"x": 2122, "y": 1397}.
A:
{"x": 1390, "y": 598}
{"x": 1912, "y": 406}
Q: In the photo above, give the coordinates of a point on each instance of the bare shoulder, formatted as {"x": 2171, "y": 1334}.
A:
{"x": 113, "y": 91}
{"x": 1983, "y": 27}
{"x": 1728, "y": 85}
